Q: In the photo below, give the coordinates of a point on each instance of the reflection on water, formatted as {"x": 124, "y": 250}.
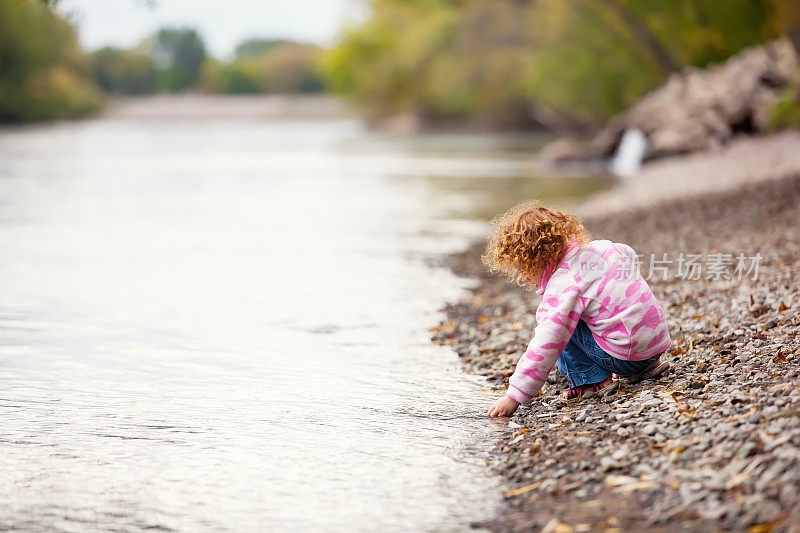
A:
{"x": 215, "y": 325}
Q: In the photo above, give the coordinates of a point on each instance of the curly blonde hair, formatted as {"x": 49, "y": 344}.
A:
{"x": 528, "y": 238}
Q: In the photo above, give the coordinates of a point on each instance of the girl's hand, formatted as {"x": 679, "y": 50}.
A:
{"x": 505, "y": 406}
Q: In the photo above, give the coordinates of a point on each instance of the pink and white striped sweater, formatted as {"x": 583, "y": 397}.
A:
{"x": 600, "y": 283}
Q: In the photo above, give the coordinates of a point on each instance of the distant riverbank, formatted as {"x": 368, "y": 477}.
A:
{"x": 235, "y": 107}
{"x": 714, "y": 445}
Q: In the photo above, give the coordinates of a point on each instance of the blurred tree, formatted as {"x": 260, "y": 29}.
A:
{"x": 582, "y": 59}
{"x": 242, "y": 76}
{"x": 590, "y": 60}
{"x": 787, "y": 20}
{"x": 178, "y": 54}
{"x": 44, "y": 74}
{"x": 645, "y": 35}
{"x": 211, "y": 76}
{"x": 281, "y": 67}
{"x": 124, "y": 71}
{"x": 291, "y": 68}
{"x": 258, "y": 47}
{"x": 437, "y": 58}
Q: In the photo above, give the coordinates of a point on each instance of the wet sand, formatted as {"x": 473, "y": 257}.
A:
{"x": 716, "y": 443}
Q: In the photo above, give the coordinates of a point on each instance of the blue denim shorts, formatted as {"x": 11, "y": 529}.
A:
{"x": 583, "y": 361}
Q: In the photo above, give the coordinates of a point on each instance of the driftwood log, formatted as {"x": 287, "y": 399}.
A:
{"x": 696, "y": 109}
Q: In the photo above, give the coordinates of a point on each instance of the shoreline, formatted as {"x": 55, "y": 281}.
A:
{"x": 716, "y": 443}
{"x": 200, "y": 106}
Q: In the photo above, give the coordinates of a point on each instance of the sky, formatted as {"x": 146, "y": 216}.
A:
{"x": 222, "y": 23}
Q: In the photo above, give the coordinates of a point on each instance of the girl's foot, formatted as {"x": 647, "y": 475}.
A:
{"x": 655, "y": 370}
{"x": 590, "y": 390}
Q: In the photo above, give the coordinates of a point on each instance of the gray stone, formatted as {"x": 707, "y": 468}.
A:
{"x": 620, "y": 454}
{"x": 609, "y": 463}
{"x": 748, "y": 449}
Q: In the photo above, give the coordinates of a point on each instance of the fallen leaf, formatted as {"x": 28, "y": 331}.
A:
{"x": 483, "y": 319}
{"x": 523, "y": 490}
{"x": 671, "y": 394}
{"x": 762, "y": 528}
{"x": 782, "y": 308}
{"x": 677, "y": 450}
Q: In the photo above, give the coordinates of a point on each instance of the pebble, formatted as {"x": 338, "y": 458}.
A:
{"x": 620, "y": 454}
{"x": 747, "y": 450}
{"x": 609, "y": 463}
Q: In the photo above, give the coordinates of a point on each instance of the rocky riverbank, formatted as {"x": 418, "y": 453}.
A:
{"x": 715, "y": 444}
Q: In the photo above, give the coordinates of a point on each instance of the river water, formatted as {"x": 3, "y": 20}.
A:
{"x": 222, "y": 325}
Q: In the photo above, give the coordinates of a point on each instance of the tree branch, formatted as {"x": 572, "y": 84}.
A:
{"x": 663, "y": 58}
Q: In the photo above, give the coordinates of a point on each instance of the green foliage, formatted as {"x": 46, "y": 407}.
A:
{"x": 292, "y": 68}
{"x": 283, "y": 68}
{"x": 124, "y": 71}
{"x": 258, "y": 47}
{"x": 241, "y": 77}
{"x": 174, "y": 60}
{"x": 170, "y": 60}
{"x": 43, "y": 72}
{"x": 785, "y": 113}
{"x": 405, "y": 50}
{"x": 786, "y": 20}
{"x": 178, "y": 54}
{"x": 585, "y": 63}
{"x": 584, "y": 59}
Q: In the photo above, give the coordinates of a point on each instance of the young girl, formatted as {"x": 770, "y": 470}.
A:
{"x": 598, "y": 319}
